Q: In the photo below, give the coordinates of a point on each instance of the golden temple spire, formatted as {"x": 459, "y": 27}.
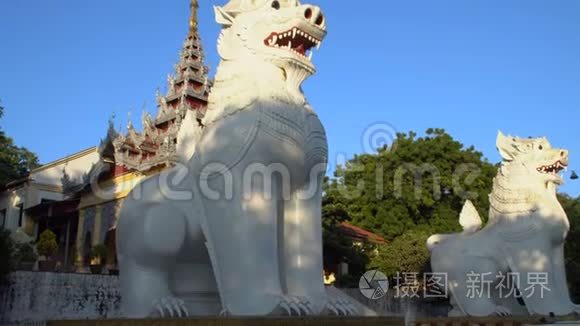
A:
{"x": 193, "y": 18}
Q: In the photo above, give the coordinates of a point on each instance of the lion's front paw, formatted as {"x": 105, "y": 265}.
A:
{"x": 170, "y": 307}
{"x": 341, "y": 307}
{"x": 295, "y": 305}
{"x": 502, "y": 311}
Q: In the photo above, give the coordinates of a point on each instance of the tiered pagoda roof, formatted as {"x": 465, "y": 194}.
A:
{"x": 155, "y": 147}
{"x": 188, "y": 90}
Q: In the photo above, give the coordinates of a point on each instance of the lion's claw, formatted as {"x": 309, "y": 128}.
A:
{"x": 502, "y": 311}
{"x": 296, "y": 306}
{"x": 170, "y": 307}
{"x": 341, "y": 307}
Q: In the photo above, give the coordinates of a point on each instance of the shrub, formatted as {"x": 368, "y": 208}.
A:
{"x": 25, "y": 254}
{"x": 99, "y": 253}
{"x": 47, "y": 245}
{"x": 406, "y": 254}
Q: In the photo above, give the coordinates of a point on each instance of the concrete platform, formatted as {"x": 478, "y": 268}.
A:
{"x": 314, "y": 321}
{"x": 498, "y": 321}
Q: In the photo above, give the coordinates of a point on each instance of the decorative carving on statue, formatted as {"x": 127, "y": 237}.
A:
{"x": 252, "y": 253}
{"x": 524, "y": 238}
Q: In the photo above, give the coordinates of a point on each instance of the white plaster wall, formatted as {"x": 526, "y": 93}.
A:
{"x": 45, "y": 183}
{"x": 12, "y": 199}
{"x": 75, "y": 169}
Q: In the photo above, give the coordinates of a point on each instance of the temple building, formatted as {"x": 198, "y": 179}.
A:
{"x": 87, "y": 195}
{"x": 37, "y": 202}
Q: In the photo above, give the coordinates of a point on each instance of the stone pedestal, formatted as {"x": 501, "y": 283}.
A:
{"x": 262, "y": 321}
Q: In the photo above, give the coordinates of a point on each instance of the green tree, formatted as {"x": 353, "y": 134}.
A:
{"x": 15, "y": 162}
{"x": 407, "y": 253}
{"x": 420, "y": 182}
{"x": 405, "y": 194}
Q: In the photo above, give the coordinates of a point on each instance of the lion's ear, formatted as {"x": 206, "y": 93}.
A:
{"x": 507, "y": 147}
{"x": 222, "y": 17}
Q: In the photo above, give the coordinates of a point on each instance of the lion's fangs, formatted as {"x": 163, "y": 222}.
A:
{"x": 554, "y": 168}
{"x": 305, "y": 41}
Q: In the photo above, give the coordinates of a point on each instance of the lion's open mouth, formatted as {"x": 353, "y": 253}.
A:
{"x": 294, "y": 40}
{"x": 553, "y": 169}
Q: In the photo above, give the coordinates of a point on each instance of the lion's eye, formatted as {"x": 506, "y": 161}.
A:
{"x": 276, "y": 4}
{"x": 541, "y": 147}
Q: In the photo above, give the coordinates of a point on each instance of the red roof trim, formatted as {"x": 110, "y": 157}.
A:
{"x": 361, "y": 234}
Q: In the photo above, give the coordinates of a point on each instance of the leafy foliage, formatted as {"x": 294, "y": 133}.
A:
{"x": 24, "y": 253}
{"x": 405, "y": 194}
{"x": 6, "y": 255}
{"x": 421, "y": 182}
{"x": 47, "y": 245}
{"x": 99, "y": 252}
{"x": 15, "y": 162}
{"x": 406, "y": 254}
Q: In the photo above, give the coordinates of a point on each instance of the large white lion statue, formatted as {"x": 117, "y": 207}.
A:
{"x": 247, "y": 241}
{"x": 522, "y": 244}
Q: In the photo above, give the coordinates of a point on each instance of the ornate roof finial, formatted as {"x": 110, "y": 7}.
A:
{"x": 129, "y": 120}
{"x": 193, "y": 18}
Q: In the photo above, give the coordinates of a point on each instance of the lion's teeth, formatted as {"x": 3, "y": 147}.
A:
{"x": 294, "y": 32}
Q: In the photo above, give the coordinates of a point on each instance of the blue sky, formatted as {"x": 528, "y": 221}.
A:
{"x": 470, "y": 67}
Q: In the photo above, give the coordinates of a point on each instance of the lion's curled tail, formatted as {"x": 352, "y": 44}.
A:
{"x": 469, "y": 219}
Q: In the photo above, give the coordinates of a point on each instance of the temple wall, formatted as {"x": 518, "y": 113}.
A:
{"x": 75, "y": 166}
{"x": 48, "y": 296}
{"x": 44, "y": 182}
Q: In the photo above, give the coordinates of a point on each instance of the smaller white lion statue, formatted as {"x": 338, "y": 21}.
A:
{"x": 515, "y": 264}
